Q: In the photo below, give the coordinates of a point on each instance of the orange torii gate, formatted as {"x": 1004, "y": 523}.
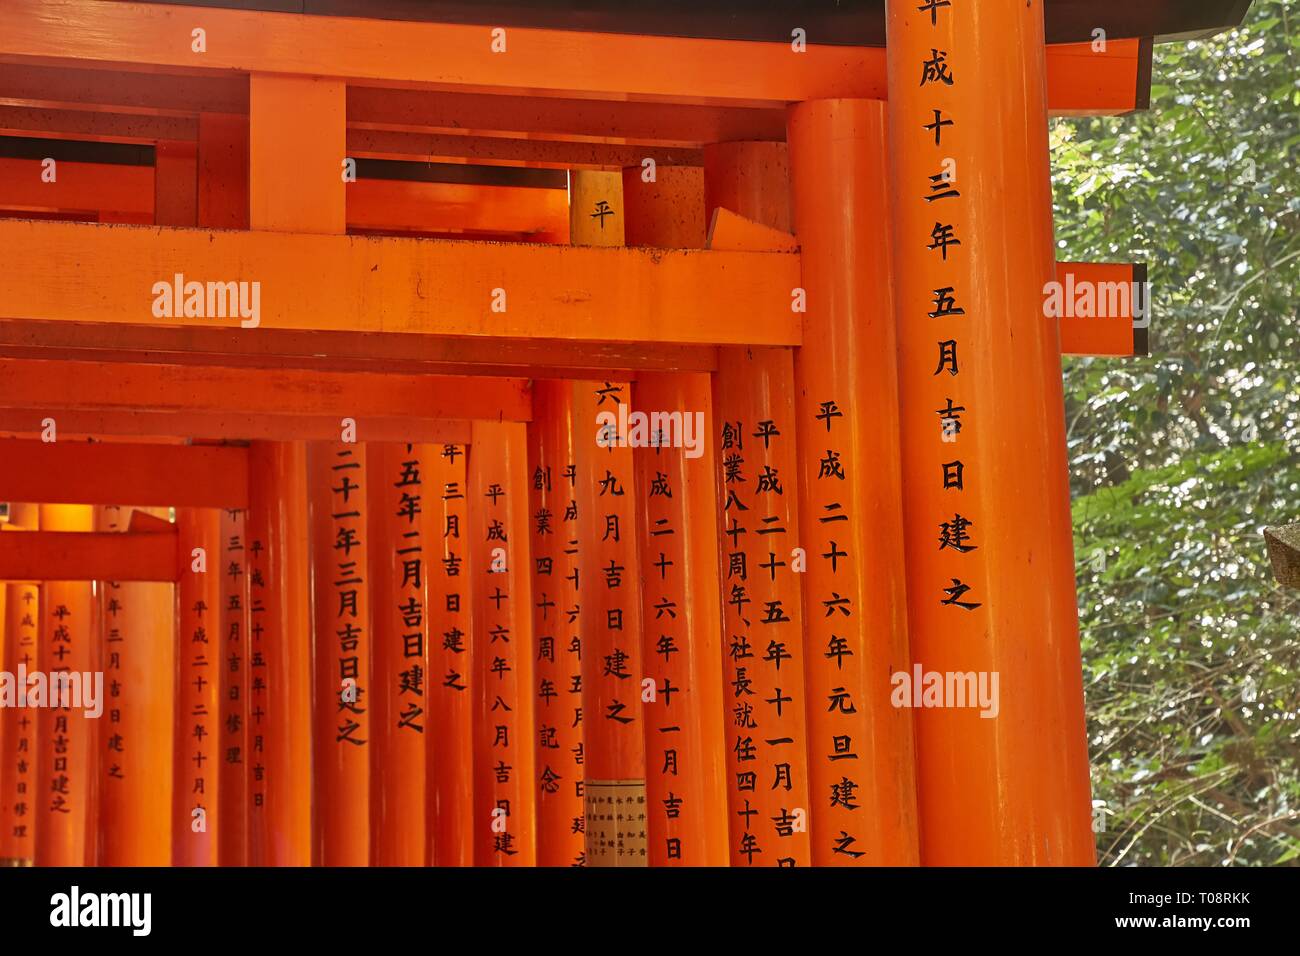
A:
{"x": 450, "y": 615}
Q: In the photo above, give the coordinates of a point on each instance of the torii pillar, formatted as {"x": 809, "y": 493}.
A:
{"x": 986, "y": 498}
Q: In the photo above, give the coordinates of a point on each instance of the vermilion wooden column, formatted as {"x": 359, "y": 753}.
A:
{"x": 19, "y": 800}
{"x": 223, "y": 171}
{"x": 138, "y": 656}
{"x": 233, "y": 778}
{"x": 986, "y": 502}
{"x": 403, "y": 504}
{"x": 64, "y": 809}
{"x": 450, "y": 814}
{"x": 686, "y": 767}
{"x": 614, "y": 740}
{"x": 176, "y": 190}
{"x": 199, "y": 654}
{"x": 279, "y": 673}
{"x": 505, "y": 781}
{"x": 557, "y": 608}
{"x": 296, "y": 147}
{"x": 846, "y": 380}
{"x": 341, "y": 615}
{"x": 755, "y": 426}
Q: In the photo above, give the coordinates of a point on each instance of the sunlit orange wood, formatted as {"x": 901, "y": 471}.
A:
{"x": 401, "y": 205}
{"x": 177, "y": 388}
{"x": 450, "y": 814}
{"x": 137, "y": 622}
{"x": 729, "y": 230}
{"x": 91, "y": 188}
{"x": 199, "y": 656}
{"x": 615, "y": 66}
{"x": 279, "y": 758}
{"x": 502, "y": 676}
{"x": 557, "y": 607}
{"x": 860, "y": 759}
{"x": 403, "y": 505}
{"x": 69, "y": 472}
{"x": 986, "y": 497}
{"x": 233, "y": 650}
{"x": 686, "y": 768}
{"x": 19, "y": 800}
{"x": 1107, "y": 321}
{"x": 57, "y": 555}
{"x": 84, "y": 272}
{"x": 754, "y": 426}
{"x": 66, "y": 754}
{"x": 296, "y": 152}
{"x": 341, "y": 611}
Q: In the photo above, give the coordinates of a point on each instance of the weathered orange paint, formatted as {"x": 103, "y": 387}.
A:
{"x": 66, "y": 753}
{"x": 402, "y": 501}
{"x": 400, "y": 285}
{"x": 1020, "y": 778}
{"x": 199, "y": 656}
{"x": 504, "y": 824}
{"x": 279, "y": 758}
{"x": 342, "y": 632}
{"x": 555, "y": 569}
{"x": 846, "y": 400}
{"x": 450, "y": 813}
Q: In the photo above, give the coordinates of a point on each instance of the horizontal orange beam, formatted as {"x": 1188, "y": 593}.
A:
{"x": 511, "y": 151}
{"x": 395, "y": 205}
{"x": 85, "y": 272}
{"x": 348, "y": 351}
{"x": 141, "y": 424}
{"x": 376, "y": 52}
{"x": 89, "y": 556}
{"x": 196, "y": 388}
{"x": 95, "y": 126}
{"x": 1097, "y": 305}
{"x": 68, "y": 472}
{"x": 89, "y": 187}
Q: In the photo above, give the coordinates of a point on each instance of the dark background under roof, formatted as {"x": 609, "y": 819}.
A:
{"x": 840, "y": 22}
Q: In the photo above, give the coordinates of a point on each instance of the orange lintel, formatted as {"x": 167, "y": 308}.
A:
{"x": 508, "y": 151}
{"x": 67, "y": 472}
{"x": 396, "y": 204}
{"x": 85, "y": 272}
{"x": 231, "y": 426}
{"x": 94, "y": 126}
{"x": 373, "y": 52}
{"x": 89, "y": 187}
{"x": 89, "y": 556}
{"x": 1110, "y": 288}
{"x": 122, "y": 385}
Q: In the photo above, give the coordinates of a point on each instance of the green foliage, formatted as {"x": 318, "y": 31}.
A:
{"x": 1191, "y": 651}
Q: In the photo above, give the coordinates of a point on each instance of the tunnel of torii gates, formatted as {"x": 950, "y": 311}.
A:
{"x": 311, "y": 323}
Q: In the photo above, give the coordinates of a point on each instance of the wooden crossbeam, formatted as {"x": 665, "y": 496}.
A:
{"x": 70, "y": 472}
{"x": 207, "y": 389}
{"x": 395, "y": 205}
{"x": 86, "y": 272}
{"x": 78, "y": 423}
{"x": 88, "y": 187}
{"x": 592, "y": 65}
{"x": 1100, "y": 301}
{"x": 347, "y": 352}
{"x": 89, "y": 556}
